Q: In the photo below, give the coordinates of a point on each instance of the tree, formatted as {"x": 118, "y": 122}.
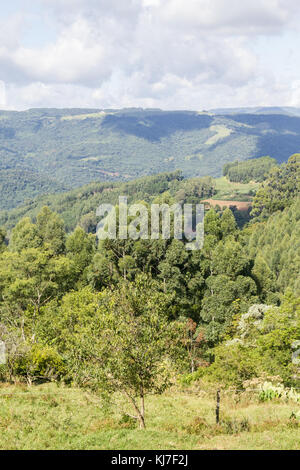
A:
{"x": 193, "y": 340}
{"x": 2, "y": 240}
{"x": 279, "y": 190}
{"x": 212, "y": 224}
{"x": 223, "y": 299}
{"x": 28, "y": 280}
{"x": 262, "y": 347}
{"x": 229, "y": 258}
{"x": 228, "y": 223}
{"x": 255, "y": 169}
{"x": 265, "y": 280}
{"x": 24, "y": 235}
{"x": 120, "y": 340}
{"x": 274, "y": 245}
{"x": 50, "y": 227}
{"x": 80, "y": 248}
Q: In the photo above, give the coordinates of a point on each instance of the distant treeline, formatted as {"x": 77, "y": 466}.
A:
{"x": 249, "y": 170}
{"x": 78, "y": 206}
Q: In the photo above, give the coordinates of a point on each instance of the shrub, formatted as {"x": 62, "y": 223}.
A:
{"x": 271, "y": 392}
{"x": 197, "y": 426}
{"x": 227, "y": 426}
{"x": 234, "y": 426}
{"x": 40, "y": 363}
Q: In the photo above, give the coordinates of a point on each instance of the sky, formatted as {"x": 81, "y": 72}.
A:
{"x": 168, "y": 54}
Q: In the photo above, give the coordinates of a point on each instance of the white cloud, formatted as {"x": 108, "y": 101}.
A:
{"x": 167, "y": 53}
{"x": 2, "y": 95}
{"x": 230, "y": 16}
{"x": 76, "y": 56}
{"x": 10, "y": 31}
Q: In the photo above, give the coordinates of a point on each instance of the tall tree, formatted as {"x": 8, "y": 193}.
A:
{"x": 50, "y": 228}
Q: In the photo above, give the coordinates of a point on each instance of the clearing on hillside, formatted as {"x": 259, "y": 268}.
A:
{"x": 240, "y": 205}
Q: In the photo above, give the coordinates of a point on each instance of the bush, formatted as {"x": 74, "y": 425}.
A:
{"x": 197, "y": 426}
{"x": 234, "y": 426}
{"x": 127, "y": 422}
{"x": 40, "y": 363}
{"x": 272, "y": 392}
{"x": 227, "y": 425}
{"x": 234, "y": 364}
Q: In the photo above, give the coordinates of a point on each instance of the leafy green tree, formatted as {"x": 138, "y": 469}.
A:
{"x": 28, "y": 280}
{"x": 2, "y": 240}
{"x": 279, "y": 190}
{"x": 262, "y": 346}
{"x": 265, "y": 280}
{"x": 228, "y": 223}
{"x": 80, "y": 248}
{"x": 120, "y": 340}
{"x": 50, "y": 228}
{"x": 24, "y": 235}
{"x": 229, "y": 258}
{"x": 127, "y": 267}
{"x": 280, "y": 329}
{"x": 223, "y": 299}
{"x": 102, "y": 271}
{"x": 212, "y": 224}
{"x": 89, "y": 222}
{"x": 274, "y": 246}
{"x": 194, "y": 189}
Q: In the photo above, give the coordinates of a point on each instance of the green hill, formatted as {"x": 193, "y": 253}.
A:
{"x": 78, "y": 206}
{"x": 50, "y": 150}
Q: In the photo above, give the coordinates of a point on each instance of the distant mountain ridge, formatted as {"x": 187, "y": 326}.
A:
{"x": 288, "y": 110}
{"x": 53, "y": 150}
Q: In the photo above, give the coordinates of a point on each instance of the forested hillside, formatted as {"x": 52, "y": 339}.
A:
{"x": 51, "y": 150}
{"x": 79, "y": 205}
{"x": 117, "y": 323}
{"x": 250, "y": 170}
{"x": 55, "y": 285}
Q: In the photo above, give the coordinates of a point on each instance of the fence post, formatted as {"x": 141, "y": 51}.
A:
{"x": 218, "y": 407}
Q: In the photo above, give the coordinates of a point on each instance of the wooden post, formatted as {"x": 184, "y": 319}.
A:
{"x": 218, "y": 408}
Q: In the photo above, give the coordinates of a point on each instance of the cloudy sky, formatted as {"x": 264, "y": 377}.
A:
{"x": 172, "y": 54}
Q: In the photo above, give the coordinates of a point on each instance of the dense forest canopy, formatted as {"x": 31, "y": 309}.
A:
{"x": 250, "y": 170}
{"x": 279, "y": 190}
{"x": 79, "y": 205}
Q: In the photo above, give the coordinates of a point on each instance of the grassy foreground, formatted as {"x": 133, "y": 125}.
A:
{"x": 52, "y": 417}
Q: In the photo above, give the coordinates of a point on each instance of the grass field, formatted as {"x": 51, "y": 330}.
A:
{"x": 52, "y": 417}
{"x": 233, "y": 191}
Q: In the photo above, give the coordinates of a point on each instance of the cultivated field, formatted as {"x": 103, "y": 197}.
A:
{"x": 240, "y": 205}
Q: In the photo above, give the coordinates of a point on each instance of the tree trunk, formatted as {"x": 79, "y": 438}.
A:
{"x": 142, "y": 422}
{"x": 142, "y": 414}
{"x": 192, "y": 365}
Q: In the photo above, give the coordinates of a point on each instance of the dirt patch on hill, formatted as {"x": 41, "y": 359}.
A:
{"x": 240, "y": 205}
